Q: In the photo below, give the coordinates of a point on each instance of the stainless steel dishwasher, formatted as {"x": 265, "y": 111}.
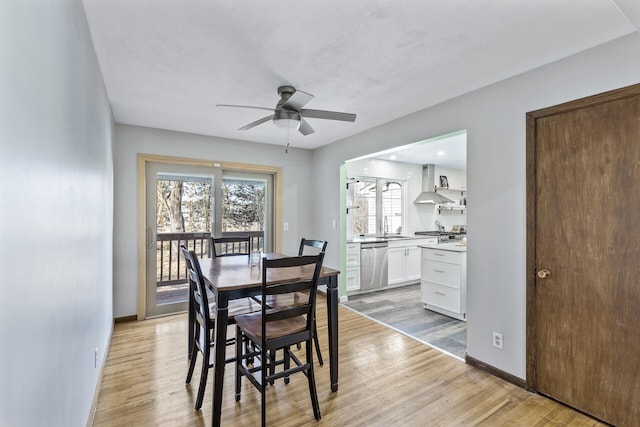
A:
{"x": 373, "y": 265}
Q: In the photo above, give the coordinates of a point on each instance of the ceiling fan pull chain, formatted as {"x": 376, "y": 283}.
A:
{"x": 286, "y": 150}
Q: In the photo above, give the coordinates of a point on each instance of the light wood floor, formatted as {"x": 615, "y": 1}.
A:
{"x": 386, "y": 379}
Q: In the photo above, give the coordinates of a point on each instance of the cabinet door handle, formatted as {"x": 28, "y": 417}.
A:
{"x": 437, "y": 254}
{"x": 439, "y": 293}
{"x": 438, "y": 271}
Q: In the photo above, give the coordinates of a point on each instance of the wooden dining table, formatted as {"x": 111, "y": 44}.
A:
{"x": 234, "y": 277}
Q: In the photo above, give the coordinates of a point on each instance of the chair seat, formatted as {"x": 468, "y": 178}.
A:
{"x": 252, "y": 326}
{"x": 279, "y": 302}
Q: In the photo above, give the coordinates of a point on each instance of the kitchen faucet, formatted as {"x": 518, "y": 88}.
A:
{"x": 385, "y": 226}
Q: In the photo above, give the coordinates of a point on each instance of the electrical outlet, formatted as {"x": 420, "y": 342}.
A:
{"x": 497, "y": 340}
{"x": 95, "y": 358}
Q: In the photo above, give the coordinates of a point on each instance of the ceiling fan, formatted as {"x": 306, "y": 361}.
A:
{"x": 288, "y": 112}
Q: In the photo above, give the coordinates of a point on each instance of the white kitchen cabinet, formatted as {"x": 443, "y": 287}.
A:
{"x": 397, "y": 265}
{"x": 444, "y": 281}
{"x": 353, "y": 267}
{"x": 405, "y": 262}
{"x": 414, "y": 263}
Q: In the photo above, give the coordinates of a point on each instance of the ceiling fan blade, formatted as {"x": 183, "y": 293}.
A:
{"x": 305, "y": 128}
{"x": 257, "y": 122}
{"x": 244, "y": 106}
{"x": 298, "y": 100}
{"x": 328, "y": 115}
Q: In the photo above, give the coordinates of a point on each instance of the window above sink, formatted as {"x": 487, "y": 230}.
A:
{"x": 379, "y": 207}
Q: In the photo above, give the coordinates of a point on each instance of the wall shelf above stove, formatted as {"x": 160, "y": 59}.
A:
{"x": 461, "y": 209}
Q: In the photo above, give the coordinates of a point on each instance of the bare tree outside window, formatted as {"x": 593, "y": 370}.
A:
{"x": 243, "y": 205}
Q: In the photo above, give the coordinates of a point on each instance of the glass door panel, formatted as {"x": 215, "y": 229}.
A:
{"x": 180, "y": 211}
{"x": 247, "y": 207}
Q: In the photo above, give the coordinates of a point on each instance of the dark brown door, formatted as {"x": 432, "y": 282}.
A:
{"x": 584, "y": 255}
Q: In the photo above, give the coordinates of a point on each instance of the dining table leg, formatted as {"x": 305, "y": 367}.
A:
{"x": 332, "y": 318}
{"x": 220, "y": 339}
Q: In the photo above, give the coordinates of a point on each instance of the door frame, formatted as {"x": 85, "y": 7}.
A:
{"x": 143, "y": 160}
{"x": 531, "y": 189}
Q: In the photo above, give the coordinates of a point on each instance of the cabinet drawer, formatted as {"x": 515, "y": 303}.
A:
{"x": 440, "y": 255}
{"x": 353, "y": 254}
{"x": 353, "y": 279}
{"x": 353, "y": 259}
{"x": 441, "y": 296}
{"x": 441, "y": 272}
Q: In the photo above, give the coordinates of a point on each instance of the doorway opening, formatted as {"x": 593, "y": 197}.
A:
{"x": 395, "y": 177}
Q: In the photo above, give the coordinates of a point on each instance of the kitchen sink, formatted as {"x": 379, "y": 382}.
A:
{"x": 381, "y": 238}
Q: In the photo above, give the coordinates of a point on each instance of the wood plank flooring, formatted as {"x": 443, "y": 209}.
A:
{"x": 386, "y": 379}
{"x": 401, "y": 309}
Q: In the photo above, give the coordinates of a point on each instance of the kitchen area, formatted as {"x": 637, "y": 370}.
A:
{"x": 406, "y": 240}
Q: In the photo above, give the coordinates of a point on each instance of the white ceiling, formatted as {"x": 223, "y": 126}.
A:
{"x": 167, "y": 63}
{"x": 448, "y": 151}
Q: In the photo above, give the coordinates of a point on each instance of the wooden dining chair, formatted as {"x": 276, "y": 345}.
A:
{"x": 308, "y": 247}
{"x": 260, "y": 335}
{"x": 315, "y": 246}
{"x": 240, "y": 245}
{"x": 202, "y": 325}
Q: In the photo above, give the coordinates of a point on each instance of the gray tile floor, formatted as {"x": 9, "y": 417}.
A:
{"x": 401, "y": 309}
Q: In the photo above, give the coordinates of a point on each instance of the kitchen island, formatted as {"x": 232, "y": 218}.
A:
{"x": 443, "y": 283}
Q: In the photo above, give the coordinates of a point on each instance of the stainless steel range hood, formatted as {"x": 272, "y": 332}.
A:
{"x": 429, "y": 194}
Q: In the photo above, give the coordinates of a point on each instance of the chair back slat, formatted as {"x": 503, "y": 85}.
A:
{"x": 285, "y": 288}
{"x": 318, "y": 245}
{"x": 240, "y": 245}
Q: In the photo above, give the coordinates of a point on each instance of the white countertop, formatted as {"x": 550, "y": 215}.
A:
{"x": 454, "y": 247}
{"x": 389, "y": 238}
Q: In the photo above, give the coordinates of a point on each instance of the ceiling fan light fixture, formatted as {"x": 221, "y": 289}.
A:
{"x": 287, "y": 120}
{"x": 287, "y": 123}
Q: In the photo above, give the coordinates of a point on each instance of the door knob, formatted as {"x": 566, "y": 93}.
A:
{"x": 543, "y": 274}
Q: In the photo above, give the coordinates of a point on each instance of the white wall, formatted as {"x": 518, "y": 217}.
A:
{"x": 297, "y": 175}
{"x": 495, "y": 121}
{"x": 56, "y": 215}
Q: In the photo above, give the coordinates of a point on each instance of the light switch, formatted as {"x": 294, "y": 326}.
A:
{"x": 334, "y": 223}
{"x": 285, "y": 226}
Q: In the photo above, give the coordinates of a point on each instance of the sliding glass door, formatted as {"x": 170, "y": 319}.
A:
{"x": 186, "y": 205}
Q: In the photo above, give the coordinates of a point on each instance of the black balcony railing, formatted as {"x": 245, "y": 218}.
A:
{"x": 171, "y": 269}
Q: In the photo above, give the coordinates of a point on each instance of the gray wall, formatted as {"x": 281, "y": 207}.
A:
{"x": 495, "y": 119}
{"x": 297, "y": 175}
{"x": 56, "y": 218}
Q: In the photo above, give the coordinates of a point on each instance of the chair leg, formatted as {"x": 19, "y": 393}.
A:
{"x": 203, "y": 377}
{"x": 312, "y": 383}
{"x": 263, "y": 388}
{"x": 287, "y": 362}
{"x": 271, "y": 366}
{"x": 192, "y": 362}
{"x": 317, "y": 343}
{"x": 239, "y": 358}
